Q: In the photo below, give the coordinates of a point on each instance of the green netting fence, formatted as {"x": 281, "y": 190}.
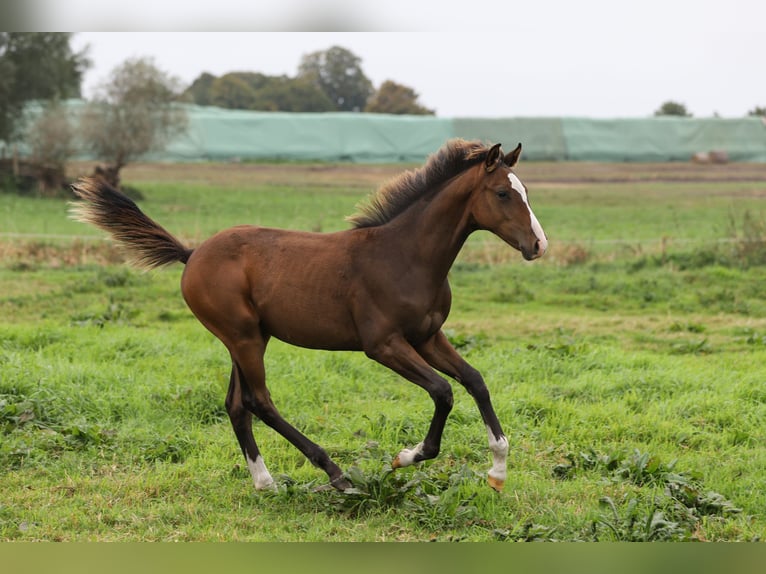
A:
{"x": 217, "y": 134}
{"x": 623, "y": 140}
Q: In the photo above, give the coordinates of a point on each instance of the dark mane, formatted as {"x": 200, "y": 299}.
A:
{"x": 399, "y": 193}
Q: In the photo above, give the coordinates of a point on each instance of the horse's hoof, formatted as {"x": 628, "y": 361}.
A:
{"x": 341, "y": 483}
{"x": 496, "y": 483}
{"x": 408, "y": 456}
{"x": 267, "y": 486}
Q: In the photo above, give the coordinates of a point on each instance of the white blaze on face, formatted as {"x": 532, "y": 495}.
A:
{"x": 537, "y": 229}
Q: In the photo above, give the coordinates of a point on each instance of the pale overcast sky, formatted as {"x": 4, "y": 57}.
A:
{"x": 596, "y": 58}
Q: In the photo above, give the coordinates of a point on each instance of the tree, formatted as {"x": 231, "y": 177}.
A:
{"x": 35, "y": 66}
{"x": 52, "y": 140}
{"x": 282, "y": 93}
{"x": 199, "y": 91}
{"x": 757, "y": 111}
{"x": 232, "y": 91}
{"x": 338, "y": 73}
{"x": 256, "y": 91}
{"x": 393, "y": 98}
{"x": 9, "y": 105}
{"x": 671, "y": 108}
{"x": 134, "y": 112}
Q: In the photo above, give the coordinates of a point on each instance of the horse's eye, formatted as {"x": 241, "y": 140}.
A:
{"x": 502, "y": 194}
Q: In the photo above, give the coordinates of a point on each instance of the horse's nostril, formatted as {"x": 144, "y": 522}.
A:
{"x": 537, "y": 247}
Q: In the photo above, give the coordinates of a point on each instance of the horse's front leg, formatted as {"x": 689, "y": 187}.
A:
{"x": 397, "y": 354}
{"x": 441, "y": 355}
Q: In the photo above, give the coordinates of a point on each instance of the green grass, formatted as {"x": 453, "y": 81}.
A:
{"x": 628, "y": 375}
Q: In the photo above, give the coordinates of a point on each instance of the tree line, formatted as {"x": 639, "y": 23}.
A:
{"x": 329, "y": 80}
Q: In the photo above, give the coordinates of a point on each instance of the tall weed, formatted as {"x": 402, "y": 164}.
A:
{"x": 748, "y": 238}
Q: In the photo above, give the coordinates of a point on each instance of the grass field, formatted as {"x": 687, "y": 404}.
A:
{"x": 628, "y": 368}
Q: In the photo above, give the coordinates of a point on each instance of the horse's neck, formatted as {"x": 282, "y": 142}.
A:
{"x": 432, "y": 231}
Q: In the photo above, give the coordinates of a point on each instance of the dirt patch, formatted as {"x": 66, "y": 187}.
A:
{"x": 354, "y": 176}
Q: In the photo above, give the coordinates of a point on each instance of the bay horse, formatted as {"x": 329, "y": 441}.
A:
{"x": 379, "y": 287}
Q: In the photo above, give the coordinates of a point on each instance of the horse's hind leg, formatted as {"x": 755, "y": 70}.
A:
{"x": 248, "y": 361}
{"x": 242, "y": 422}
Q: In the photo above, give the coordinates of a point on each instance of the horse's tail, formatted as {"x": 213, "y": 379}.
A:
{"x": 105, "y": 207}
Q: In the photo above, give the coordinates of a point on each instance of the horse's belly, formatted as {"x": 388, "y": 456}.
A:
{"x": 316, "y": 339}
{"x": 310, "y": 319}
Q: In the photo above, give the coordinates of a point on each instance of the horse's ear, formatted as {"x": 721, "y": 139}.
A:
{"x": 494, "y": 157}
{"x": 513, "y": 157}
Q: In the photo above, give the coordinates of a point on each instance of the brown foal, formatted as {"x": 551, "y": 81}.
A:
{"x": 380, "y": 287}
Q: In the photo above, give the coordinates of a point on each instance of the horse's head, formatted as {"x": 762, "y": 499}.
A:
{"x": 500, "y": 205}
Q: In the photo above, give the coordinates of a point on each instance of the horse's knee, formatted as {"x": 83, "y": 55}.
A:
{"x": 441, "y": 393}
{"x": 474, "y": 383}
{"x": 479, "y": 392}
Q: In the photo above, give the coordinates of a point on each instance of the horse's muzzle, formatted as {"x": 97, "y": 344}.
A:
{"x": 537, "y": 250}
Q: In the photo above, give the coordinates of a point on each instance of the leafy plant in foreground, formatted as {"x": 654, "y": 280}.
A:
{"x": 435, "y": 502}
{"x": 673, "y": 514}
{"x": 637, "y": 525}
